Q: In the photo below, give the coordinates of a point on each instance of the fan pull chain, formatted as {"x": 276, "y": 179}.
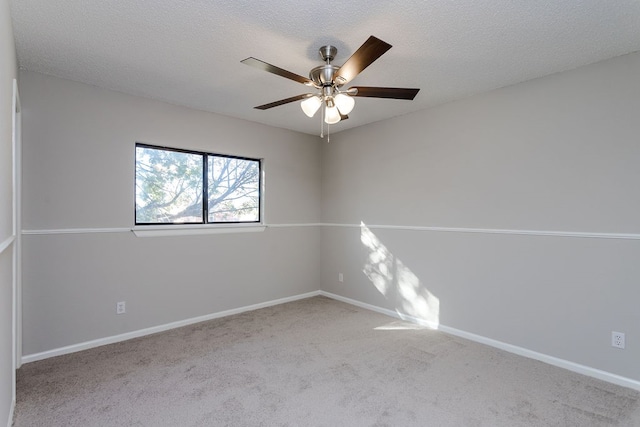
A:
{"x": 328, "y": 133}
{"x": 322, "y": 123}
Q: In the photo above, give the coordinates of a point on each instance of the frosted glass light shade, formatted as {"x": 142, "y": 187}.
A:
{"x": 331, "y": 115}
{"x": 311, "y": 105}
{"x": 345, "y": 103}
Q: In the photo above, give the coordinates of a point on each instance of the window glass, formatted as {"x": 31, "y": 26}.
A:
{"x": 234, "y": 189}
{"x": 170, "y": 188}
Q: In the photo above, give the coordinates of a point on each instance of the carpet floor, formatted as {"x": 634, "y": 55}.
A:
{"x": 313, "y": 362}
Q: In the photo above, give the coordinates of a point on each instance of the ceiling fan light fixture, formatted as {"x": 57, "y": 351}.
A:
{"x": 345, "y": 103}
{"x": 332, "y": 115}
{"x": 311, "y": 105}
{"x": 329, "y": 79}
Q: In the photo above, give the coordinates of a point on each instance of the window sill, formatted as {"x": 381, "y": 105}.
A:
{"x": 195, "y": 230}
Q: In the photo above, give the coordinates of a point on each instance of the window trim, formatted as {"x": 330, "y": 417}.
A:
{"x": 204, "y": 227}
{"x": 167, "y": 230}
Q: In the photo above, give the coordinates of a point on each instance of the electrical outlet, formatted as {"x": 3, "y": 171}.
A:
{"x": 121, "y": 307}
{"x": 340, "y": 278}
{"x": 617, "y": 339}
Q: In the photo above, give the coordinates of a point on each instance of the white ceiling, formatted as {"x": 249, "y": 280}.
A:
{"x": 188, "y": 52}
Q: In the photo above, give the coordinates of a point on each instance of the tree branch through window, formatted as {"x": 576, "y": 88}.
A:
{"x": 170, "y": 187}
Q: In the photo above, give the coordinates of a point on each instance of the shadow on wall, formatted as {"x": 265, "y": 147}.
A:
{"x": 398, "y": 284}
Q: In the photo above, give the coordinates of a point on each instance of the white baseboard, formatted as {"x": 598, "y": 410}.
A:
{"x": 11, "y": 410}
{"x": 381, "y": 310}
{"x": 551, "y": 360}
{"x": 161, "y": 328}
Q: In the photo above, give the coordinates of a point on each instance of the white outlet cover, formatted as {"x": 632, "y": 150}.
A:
{"x": 617, "y": 339}
{"x": 121, "y": 307}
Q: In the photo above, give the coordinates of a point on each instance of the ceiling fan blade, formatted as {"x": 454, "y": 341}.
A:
{"x": 343, "y": 116}
{"x": 370, "y": 50}
{"x": 276, "y": 70}
{"x": 386, "y": 92}
{"x": 283, "y": 101}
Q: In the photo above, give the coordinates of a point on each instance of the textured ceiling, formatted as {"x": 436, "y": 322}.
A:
{"x": 188, "y": 52}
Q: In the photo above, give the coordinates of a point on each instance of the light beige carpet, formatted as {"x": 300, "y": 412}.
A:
{"x": 314, "y": 362}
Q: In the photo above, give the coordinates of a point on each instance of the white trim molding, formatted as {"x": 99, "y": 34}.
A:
{"x": 555, "y": 233}
{"x": 520, "y": 351}
{"x": 171, "y": 230}
{"x": 551, "y": 360}
{"x": 76, "y": 231}
{"x": 12, "y": 409}
{"x": 160, "y": 328}
{"x": 189, "y": 230}
{"x": 391, "y": 313}
{"x": 294, "y": 225}
{"x": 6, "y": 243}
{"x": 163, "y": 230}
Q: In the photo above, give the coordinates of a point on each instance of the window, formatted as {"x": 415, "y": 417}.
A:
{"x": 187, "y": 187}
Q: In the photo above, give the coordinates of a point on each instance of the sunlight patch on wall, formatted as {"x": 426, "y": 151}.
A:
{"x": 379, "y": 263}
{"x": 393, "y": 279}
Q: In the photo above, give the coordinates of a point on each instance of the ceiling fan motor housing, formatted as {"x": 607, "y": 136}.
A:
{"x": 323, "y": 75}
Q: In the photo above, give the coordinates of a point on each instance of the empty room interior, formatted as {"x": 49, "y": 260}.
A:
{"x": 447, "y": 233}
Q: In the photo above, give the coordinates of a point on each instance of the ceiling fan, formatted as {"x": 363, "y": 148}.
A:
{"x": 328, "y": 80}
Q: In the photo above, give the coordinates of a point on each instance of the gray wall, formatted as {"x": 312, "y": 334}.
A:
{"x": 557, "y": 154}
{"x": 560, "y": 154}
{"x": 78, "y": 156}
{"x": 8, "y": 72}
